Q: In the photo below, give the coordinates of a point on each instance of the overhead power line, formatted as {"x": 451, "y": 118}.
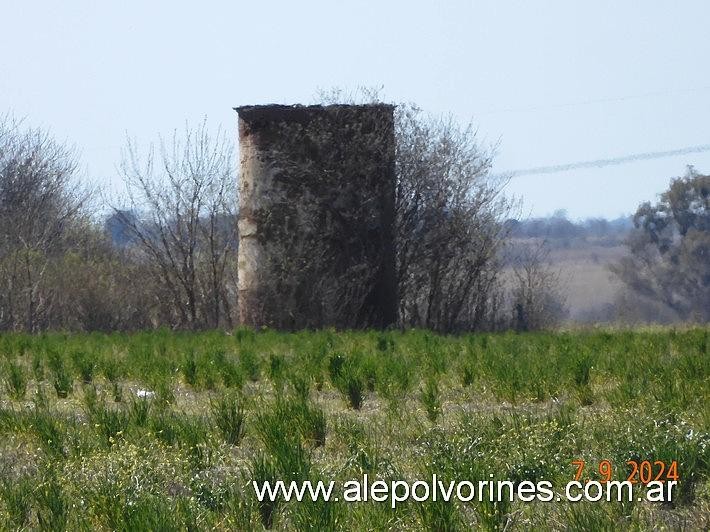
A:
{"x": 601, "y": 163}
{"x": 593, "y": 101}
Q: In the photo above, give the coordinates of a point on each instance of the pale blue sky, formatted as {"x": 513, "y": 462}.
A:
{"x": 555, "y": 81}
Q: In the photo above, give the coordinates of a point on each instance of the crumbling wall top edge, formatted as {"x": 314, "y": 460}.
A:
{"x": 280, "y": 111}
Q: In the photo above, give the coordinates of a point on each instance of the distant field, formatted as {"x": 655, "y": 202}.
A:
{"x": 585, "y": 278}
{"x": 585, "y": 281}
{"x": 166, "y": 431}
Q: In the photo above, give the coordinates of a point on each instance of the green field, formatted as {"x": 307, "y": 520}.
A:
{"x": 166, "y": 431}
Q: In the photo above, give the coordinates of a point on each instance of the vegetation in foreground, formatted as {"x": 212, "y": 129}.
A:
{"x": 165, "y": 431}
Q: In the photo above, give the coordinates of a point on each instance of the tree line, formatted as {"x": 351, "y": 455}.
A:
{"x": 166, "y": 254}
{"x": 561, "y": 231}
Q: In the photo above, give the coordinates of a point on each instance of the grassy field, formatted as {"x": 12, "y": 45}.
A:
{"x": 166, "y": 431}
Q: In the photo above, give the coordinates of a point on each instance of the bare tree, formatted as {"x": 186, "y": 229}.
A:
{"x": 41, "y": 203}
{"x": 449, "y": 224}
{"x": 536, "y": 299}
{"x": 181, "y": 216}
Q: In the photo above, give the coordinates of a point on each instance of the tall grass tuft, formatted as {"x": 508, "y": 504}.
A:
{"x": 228, "y": 416}
{"x": 277, "y": 366}
{"x": 582, "y": 370}
{"x": 164, "y": 393}
{"x": 313, "y": 425}
{"x": 335, "y": 367}
{"x": 117, "y": 392}
{"x": 317, "y": 515}
{"x": 353, "y": 387}
{"x": 439, "y": 515}
{"x": 52, "y": 506}
{"x": 232, "y": 374}
{"x": 249, "y": 363}
{"x": 16, "y": 381}
{"x": 62, "y": 382}
{"x": 37, "y": 367}
{"x": 468, "y": 374}
{"x": 263, "y": 470}
{"x": 85, "y": 364}
{"x": 430, "y": 398}
{"x": 61, "y": 379}
{"x": 494, "y": 516}
{"x": 179, "y": 430}
{"x": 590, "y": 516}
{"x": 301, "y": 386}
{"x": 17, "y": 496}
{"x": 91, "y": 399}
{"x": 149, "y": 512}
{"x": 111, "y": 368}
{"x": 189, "y": 369}
{"x": 110, "y": 423}
{"x": 280, "y": 433}
{"x": 138, "y": 411}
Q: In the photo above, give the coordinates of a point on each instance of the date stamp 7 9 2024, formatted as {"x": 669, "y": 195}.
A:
{"x": 642, "y": 472}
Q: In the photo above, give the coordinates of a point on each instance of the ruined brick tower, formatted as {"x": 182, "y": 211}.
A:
{"x": 316, "y": 214}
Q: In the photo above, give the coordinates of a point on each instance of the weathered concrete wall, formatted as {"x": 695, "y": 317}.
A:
{"x": 316, "y": 213}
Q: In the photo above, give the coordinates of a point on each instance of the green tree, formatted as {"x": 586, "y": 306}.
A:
{"x": 669, "y": 259}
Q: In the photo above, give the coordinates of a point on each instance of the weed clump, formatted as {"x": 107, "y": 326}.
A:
{"x": 62, "y": 380}
{"x": 16, "y": 381}
{"x": 353, "y": 387}
{"x": 189, "y": 369}
{"x": 250, "y": 364}
{"x": 430, "y": 398}
{"x": 85, "y": 365}
{"x": 228, "y": 416}
{"x": 263, "y": 470}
